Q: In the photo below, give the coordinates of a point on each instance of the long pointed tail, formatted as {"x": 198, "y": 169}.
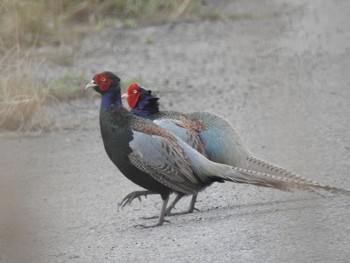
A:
{"x": 260, "y": 165}
{"x": 281, "y": 179}
{"x": 285, "y": 183}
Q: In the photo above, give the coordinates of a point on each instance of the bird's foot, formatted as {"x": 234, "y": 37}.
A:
{"x": 159, "y": 223}
{"x": 194, "y": 209}
{"x": 148, "y": 217}
{"x": 189, "y": 211}
{"x": 127, "y": 200}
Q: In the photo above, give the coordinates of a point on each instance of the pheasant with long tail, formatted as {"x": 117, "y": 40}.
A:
{"x": 209, "y": 134}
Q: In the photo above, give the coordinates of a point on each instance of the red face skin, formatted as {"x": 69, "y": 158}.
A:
{"x": 103, "y": 80}
{"x": 134, "y": 94}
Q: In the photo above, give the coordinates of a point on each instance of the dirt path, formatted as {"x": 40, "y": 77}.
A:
{"x": 280, "y": 75}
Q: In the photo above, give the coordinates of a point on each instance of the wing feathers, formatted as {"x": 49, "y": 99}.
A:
{"x": 164, "y": 160}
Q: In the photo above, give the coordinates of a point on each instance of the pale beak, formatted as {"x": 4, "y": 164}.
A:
{"x": 125, "y": 96}
{"x": 92, "y": 84}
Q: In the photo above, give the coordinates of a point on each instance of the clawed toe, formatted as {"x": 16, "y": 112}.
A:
{"x": 151, "y": 226}
{"x": 148, "y": 217}
{"x": 183, "y": 212}
{"x": 127, "y": 200}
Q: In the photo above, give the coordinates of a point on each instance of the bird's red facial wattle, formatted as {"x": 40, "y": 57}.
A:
{"x": 103, "y": 81}
{"x": 134, "y": 94}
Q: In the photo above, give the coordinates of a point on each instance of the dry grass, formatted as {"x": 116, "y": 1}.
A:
{"x": 20, "y": 96}
{"x": 16, "y": 110}
{"x": 26, "y": 25}
{"x": 23, "y": 97}
{"x": 34, "y": 22}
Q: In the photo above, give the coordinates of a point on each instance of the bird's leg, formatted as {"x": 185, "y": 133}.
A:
{"x": 172, "y": 205}
{"x": 161, "y": 219}
{"x": 192, "y": 204}
{"x": 188, "y": 211}
{"x": 127, "y": 200}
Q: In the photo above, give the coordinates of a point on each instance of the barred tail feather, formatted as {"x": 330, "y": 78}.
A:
{"x": 260, "y": 165}
{"x": 246, "y": 176}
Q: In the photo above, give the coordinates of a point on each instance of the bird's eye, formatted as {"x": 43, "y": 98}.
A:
{"x": 104, "y": 79}
{"x": 134, "y": 91}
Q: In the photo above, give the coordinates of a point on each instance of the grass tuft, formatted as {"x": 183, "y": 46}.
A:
{"x": 24, "y": 99}
{"x": 19, "y": 93}
{"x": 17, "y": 109}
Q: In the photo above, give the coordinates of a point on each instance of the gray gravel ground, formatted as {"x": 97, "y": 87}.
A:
{"x": 279, "y": 73}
